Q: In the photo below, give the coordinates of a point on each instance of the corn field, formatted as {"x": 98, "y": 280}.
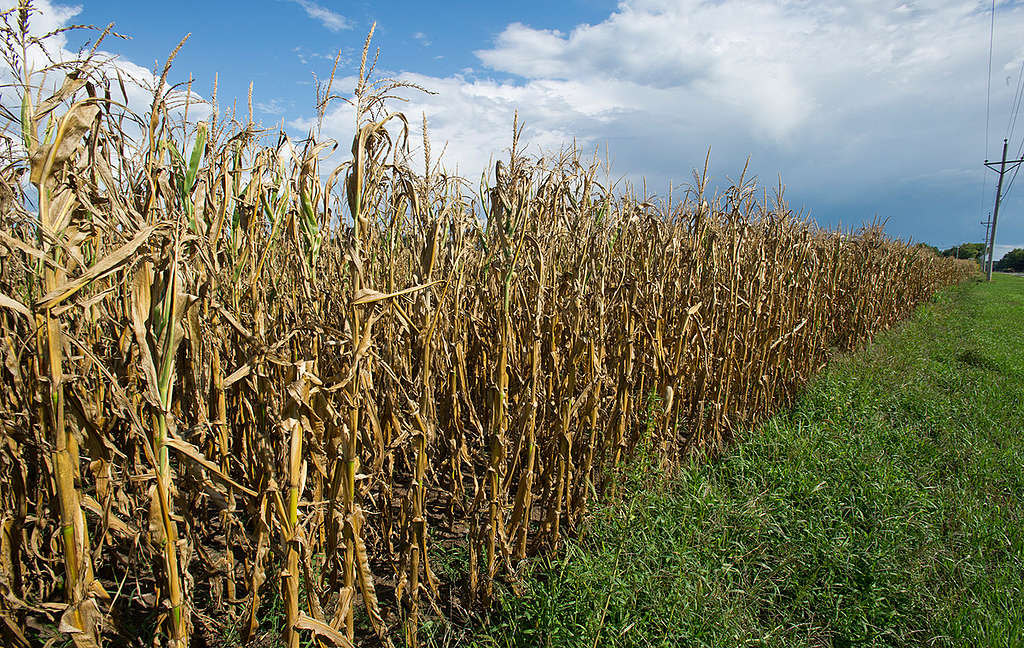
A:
{"x": 237, "y": 378}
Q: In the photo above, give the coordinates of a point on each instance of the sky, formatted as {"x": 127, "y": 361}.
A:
{"x": 863, "y": 108}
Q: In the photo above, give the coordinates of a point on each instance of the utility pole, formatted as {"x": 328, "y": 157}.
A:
{"x": 999, "y": 195}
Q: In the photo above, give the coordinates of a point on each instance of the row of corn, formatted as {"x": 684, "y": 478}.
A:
{"x": 239, "y": 382}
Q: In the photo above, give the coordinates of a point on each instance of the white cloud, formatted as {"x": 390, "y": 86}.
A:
{"x": 471, "y": 119}
{"x": 782, "y": 74}
{"x": 139, "y": 81}
{"x": 850, "y": 100}
{"x": 779, "y": 69}
{"x": 329, "y": 19}
{"x": 273, "y": 107}
{"x": 308, "y": 57}
{"x": 1001, "y": 250}
{"x": 423, "y": 39}
{"x": 48, "y": 17}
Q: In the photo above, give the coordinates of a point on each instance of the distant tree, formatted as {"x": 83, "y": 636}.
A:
{"x": 965, "y": 251}
{"x": 1012, "y": 261}
{"x": 925, "y": 246}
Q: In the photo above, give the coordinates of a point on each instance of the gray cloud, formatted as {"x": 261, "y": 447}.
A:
{"x": 854, "y": 102}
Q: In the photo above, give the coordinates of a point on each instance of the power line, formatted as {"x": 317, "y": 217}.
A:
{"x": 988, "y": 105}
{"x": 1020, "y": 151}
{"x": 1015, "y": 106}
{"x": 988, "y": 100}
{"x": 1015, "y": 102}
{"x": 1002, "y": 170}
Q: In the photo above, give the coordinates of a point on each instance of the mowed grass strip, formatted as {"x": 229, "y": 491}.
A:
{"x": 883, "y": 508}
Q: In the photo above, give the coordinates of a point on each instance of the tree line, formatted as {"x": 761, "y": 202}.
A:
{"x": 1012, "y": 261}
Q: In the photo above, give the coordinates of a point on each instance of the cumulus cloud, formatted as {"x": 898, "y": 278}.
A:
{"x": 848, "y": 100}
{"x": 786, "y": 72}
{"x": 862, "y": 106}
{"x": 332, "y": 20}
{"x": 470, "y": 120}
{"x": 139, "y": 82}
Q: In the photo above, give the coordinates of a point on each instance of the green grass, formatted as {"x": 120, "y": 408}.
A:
{"x": 883, "y": 508}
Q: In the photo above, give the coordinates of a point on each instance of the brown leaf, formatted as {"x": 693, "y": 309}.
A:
{"x": 368, "y": 295}
{"x": 188, "y": 450}
{"x": 321, "y": 629}
{"x": 102, "y": 268}
{"x": 15, "y": 305}
{"x": 46, "y": 159}
{"x": 83, "y": 622}
{"x": 73, "y": 82}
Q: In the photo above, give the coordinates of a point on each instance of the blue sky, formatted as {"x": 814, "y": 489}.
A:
{"x": 280, "y": 44}
{"x": 864, "y": 107}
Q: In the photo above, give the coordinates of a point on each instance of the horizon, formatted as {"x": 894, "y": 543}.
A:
{"x": 853, "y": 105}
